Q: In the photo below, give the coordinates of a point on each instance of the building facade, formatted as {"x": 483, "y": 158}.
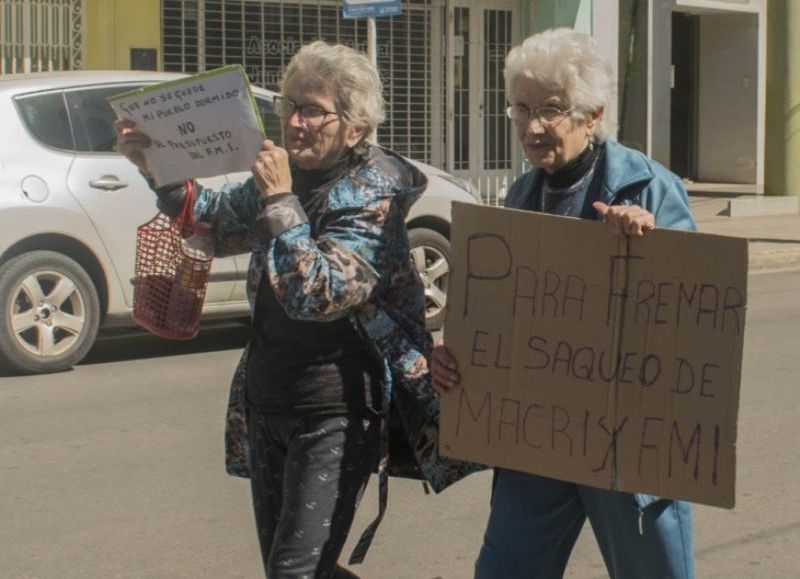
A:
{"x": 692, "y": 73}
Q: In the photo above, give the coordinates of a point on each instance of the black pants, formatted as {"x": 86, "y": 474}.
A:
{"x": 307, "y": 476}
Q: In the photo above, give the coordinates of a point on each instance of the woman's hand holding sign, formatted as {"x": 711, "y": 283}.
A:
{"x": 444, "y": 370}
{"x": 132, "y": 142}
{"x": 626, "y": 219}
{"x": 271, "y": 170}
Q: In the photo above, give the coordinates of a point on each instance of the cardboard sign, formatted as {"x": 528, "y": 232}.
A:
{"x": 201, "y": 126}
{"x": 594, "y": 358}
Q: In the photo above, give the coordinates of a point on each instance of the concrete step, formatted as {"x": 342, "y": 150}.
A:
{"x": 709, "y": 206}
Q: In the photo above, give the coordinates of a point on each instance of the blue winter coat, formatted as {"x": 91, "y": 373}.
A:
{"x": 628, "y": 178}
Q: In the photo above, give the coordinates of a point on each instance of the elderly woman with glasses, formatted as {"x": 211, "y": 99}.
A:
{"x": 560, "y": 88}
{"x": 337, "y": 306}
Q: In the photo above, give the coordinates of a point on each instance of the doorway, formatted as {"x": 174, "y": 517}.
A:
{"x": 714, "y": 97}
{"x": 683, "y": 125}
{"x": 481, "y": 149}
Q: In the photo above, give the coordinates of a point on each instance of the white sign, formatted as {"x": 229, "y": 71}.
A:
{"x": 370, "y": 8}
{"x": 200, "y": 126}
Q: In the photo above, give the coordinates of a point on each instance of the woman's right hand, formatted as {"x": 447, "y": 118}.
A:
{"x": 271, "y": 170}
{"x": 444, "y": 370}
{"x": 132, "y": 142}
{"x": 629, "y": 220}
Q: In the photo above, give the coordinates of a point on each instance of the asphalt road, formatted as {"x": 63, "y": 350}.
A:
{"x": 115, "y": 470}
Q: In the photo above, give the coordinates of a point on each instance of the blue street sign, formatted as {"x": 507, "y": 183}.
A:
{"x": 370, "y": 8}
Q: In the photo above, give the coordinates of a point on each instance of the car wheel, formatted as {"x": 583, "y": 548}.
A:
{"x": 430, "y": 252}
{"x": 50, "y": 313}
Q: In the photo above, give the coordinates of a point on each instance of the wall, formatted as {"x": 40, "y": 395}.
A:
{"x": 633, "y": 74}
{"x": 783, "y": 99}
{"x": 113, "y": 27}
{"x": 659, "y": 112}
{"x": 606, "y": 30}
{"x": 575, "y": 14}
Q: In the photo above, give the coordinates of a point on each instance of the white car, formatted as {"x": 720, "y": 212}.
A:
{"x": 70, "y": 205}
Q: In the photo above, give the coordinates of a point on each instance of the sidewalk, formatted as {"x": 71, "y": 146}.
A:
{"x": 774, "y": 240}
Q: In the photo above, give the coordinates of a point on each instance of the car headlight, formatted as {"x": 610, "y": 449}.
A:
{"x": 462, "y": 184}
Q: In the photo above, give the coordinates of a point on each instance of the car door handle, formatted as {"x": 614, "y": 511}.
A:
{"x": 108, "y": 183}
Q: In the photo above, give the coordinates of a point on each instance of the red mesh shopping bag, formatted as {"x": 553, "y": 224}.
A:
{"x": 173, "y": 260}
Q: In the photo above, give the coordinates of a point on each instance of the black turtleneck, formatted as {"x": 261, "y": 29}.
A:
{"x": 305, "y": 181}
{"x": 572, "y": 189}
{"x": 300, "y": 366}
{"x": 574, "y": 169}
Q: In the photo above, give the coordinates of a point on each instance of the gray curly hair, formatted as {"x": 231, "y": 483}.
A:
{"x": 569, "y": 60}
{"x": 348, "y": 75}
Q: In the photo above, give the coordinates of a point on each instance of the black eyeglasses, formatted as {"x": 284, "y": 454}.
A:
{"x": 547, "y": 115}
{"x": 312, "y": 115}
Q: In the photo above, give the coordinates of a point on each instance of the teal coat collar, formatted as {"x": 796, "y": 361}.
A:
{"x": 623, "y": 167}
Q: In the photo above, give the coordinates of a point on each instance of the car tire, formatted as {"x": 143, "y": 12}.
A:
{"x": 430, "y": 252}
{"x": 50, "y": 313}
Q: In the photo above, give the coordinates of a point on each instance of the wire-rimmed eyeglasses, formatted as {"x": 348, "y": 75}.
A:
{"x": 312, "y": 115}
{"x": 547, "y": 115}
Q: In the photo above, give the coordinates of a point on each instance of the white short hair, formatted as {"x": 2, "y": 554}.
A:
{"x": 348, "y": 75}
{"x": 570, "y": 61}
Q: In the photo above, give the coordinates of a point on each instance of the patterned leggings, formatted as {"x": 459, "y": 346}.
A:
{"x": 307, "y": 476}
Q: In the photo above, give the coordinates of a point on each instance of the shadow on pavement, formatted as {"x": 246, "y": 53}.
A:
{"x": 135, "y": 345}
{"x": 768, "y": 240}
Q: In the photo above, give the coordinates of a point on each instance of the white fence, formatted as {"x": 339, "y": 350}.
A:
{"x": 40, "y": 35}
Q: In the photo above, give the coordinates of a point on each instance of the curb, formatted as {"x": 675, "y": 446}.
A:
{"x": 773, "y": 260}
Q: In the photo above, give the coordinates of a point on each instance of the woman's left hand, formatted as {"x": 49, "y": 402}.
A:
{"x": 271, "y": 170}
{"x": 626, "y": 219}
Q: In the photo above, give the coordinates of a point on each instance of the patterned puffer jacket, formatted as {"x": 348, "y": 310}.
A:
{"x": 346, "y": 255}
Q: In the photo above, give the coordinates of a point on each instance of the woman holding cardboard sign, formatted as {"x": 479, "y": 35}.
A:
{"x": 559, "y": 88}
{"x": 338, "y": 308}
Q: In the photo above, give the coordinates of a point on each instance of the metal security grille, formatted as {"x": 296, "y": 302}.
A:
{"x": 262, "y": 36}
{"x": 461, "y": 89}
{"x": 496, "y": 44}
{"x": 481, "y": 34}
{"x": 180, "y": 36}
{"x": 497, "y": 171}
{"x": 40, "y": 35}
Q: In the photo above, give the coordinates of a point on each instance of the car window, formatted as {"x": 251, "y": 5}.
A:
{"x": 45, "y": 115}
{"x": 93, "y": 118}
{"x": 272, "y": 125}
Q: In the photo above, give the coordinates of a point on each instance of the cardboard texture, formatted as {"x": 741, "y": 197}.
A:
{"x": 593, "y": 358}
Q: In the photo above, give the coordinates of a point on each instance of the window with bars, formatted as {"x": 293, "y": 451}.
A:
{"x": 461, "y": 65}
{"x": 497, "y": 43}
{"x": 262, "y": 36}
{"x": 40, "y": 35}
